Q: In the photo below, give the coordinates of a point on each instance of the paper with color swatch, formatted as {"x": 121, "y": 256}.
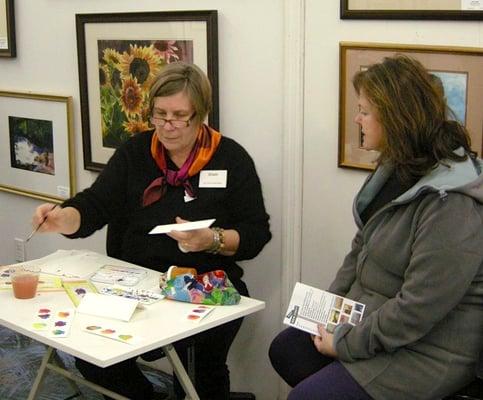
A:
{"x": 112, "y": 332}
{"x": 198, "y": 312}
{"x": 56, "y": 322}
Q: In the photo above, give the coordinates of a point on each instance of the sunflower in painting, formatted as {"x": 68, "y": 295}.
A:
{"x": 126, "y": 70}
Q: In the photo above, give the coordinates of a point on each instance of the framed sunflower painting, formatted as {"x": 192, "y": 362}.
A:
{"x": 119, "y": 55}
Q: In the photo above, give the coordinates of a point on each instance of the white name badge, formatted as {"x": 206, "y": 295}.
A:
{"x": 213, "y": 179}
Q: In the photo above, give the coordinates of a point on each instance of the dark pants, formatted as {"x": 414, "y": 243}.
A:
{"x": 312, "y": 375}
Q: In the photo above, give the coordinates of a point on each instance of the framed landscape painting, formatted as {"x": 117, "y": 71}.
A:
{"x": 7, "y": 29}
{"x": 457, "y": 69}
{"x": 120, "y": 55}
{"x": 37, "y": 158}
{"x": 412, "y": 9}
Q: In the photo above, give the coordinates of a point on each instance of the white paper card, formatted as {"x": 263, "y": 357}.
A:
{"x": 56, "y": 322}
{"x": 120, "y": 334}
{"x": 107, "y": 306}
{"x": 186, "y": 226}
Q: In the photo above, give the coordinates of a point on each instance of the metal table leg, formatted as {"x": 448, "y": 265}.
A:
{"x": 40, "y": 374}
{"x": 180, "y": 372}
{"x": 73, "y": 378}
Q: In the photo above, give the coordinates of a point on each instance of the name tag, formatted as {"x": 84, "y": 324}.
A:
{"x": 213, "y": 179}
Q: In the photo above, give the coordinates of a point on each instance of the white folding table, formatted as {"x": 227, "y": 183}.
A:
{"x": 156, "y": 325}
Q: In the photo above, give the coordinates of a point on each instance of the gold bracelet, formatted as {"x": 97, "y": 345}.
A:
{"x": 218, "y": 241}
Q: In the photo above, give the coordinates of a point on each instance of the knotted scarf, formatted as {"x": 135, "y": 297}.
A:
{"x": 205, "y": 146}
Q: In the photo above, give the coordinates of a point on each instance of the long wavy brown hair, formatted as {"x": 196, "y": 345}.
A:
{"x": 410, "y": 105}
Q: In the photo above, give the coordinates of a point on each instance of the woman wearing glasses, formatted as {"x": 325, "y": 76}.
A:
{"x": 183, "y": 170}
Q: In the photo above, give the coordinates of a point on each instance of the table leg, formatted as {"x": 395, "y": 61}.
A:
{"x": 82, "y": 381}
{"x": 40, "y": 374}
{"x": 180, "y": 372}
{"x": 71, "y": 377}
{"x": 57, "y": 360}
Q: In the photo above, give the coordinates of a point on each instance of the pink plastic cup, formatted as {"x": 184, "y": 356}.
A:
{"x": 24, "y": 282}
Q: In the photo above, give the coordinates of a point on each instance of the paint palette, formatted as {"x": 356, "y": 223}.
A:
{"x": 54, "y": 321}
{"x": 143, "y": 296}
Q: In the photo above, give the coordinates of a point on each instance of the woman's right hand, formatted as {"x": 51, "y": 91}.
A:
{"x": 56, "y": 219}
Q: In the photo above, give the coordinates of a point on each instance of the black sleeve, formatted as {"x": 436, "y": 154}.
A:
{"x": 105, "y": 199}
{"x": 247, "y": 208}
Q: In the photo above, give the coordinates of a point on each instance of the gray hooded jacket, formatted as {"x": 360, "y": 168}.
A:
{"x": 417, "y": 264}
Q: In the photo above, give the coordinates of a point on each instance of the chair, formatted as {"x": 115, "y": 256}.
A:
{"x": 472, "y": 391}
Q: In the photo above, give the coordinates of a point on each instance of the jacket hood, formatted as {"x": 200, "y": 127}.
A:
{"x": 451, "y": 176}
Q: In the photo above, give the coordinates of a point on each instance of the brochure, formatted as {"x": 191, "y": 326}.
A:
{"x": 310, "y": 306}
{"x": 119, "y": 275}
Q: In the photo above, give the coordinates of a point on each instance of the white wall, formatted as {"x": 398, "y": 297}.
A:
{"x": 328, "y": 226}
{"x": 250, "y": 80}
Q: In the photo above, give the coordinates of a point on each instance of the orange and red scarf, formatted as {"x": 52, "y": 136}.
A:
{"x": 205, "y": 146}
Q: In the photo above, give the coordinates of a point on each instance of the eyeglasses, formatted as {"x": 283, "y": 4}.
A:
{"x": 175, "y": 123}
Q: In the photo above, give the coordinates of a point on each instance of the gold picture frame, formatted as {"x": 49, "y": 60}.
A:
{"x": 458, "y": 67}
{"x": 7, "y": 29}
{"x": 36, "y": 147}
{"x": 412, "y": 9}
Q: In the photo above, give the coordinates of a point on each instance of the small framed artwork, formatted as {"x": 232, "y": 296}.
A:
{"x": 7, "y": 29}
{"x": 404, "y": 9}
{"x": 36, "y": 145}
{"x": 457, "y": 68}
{"x": 119, "y": 57}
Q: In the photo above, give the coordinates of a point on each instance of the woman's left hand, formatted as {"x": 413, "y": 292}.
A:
{"x": 325, "y": 342}
{"x": 194, "y": 240}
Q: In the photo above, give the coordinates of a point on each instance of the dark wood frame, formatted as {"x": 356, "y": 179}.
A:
{"x": 11, "y": 50}
{"x": 346, "y": 13}
{"x": 349, "y": 154}
{"x": 210, "y": 17}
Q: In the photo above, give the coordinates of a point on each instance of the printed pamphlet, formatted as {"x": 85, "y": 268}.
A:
{"x": 310, "y": 306}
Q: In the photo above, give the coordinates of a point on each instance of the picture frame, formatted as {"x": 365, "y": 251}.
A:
{"x": 416, "y": 9}
{"x": 36, "y": 146}
{"x": 459, "y": 68}
{"x": 7, "y": 29}
{"x": 119, "y": 54}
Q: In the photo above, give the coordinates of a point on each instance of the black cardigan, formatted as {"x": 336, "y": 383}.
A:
{"x": 115, "y": 199}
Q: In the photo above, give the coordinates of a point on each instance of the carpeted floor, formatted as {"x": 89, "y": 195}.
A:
{"x": 20, "y": 358}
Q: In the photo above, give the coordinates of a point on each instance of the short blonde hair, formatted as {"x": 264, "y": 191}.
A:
{"x": 183, "y": 77}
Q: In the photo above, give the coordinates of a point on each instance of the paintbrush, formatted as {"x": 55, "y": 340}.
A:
{"x": 39, "y": 225}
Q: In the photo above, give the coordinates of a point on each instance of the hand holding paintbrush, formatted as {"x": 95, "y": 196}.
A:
{"x": 34, "y": 231}
{"x": 53, "y": 218}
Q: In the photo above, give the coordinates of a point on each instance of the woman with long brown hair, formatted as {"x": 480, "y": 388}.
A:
{"x": 416, "y": 261}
